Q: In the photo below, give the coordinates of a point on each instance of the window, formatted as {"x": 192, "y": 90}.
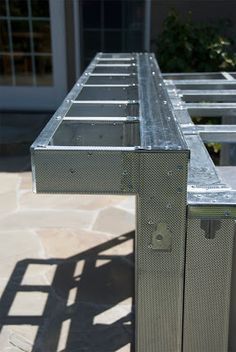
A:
{"x": 25, "y": 43}
{"x": 111, "y": 26}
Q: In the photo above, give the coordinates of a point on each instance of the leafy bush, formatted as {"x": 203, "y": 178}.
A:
{"x": 184, "y": 46}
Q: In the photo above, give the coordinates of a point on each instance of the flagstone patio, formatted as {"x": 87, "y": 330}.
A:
{"x": 66, "y": 268}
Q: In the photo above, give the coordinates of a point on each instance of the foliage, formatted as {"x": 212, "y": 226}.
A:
{"x": 185, "y": 46}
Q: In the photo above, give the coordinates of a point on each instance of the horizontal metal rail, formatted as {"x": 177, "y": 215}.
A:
{"x": 210, "y": 109}
{"x": 207, "y": 194}
{"x": 208, "y": 95}
{"x": 213, "y": 133}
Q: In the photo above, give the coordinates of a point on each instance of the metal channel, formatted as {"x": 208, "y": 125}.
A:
{"x": 117, "y": 133}
{"x": 123, "y": 129}
{"x": 211, "y": 210}
{"x": 218, "y": 95}
{"x": 213, "y": 133}
{"x": 211, "y": 109}
{"x": 204, "y": 184}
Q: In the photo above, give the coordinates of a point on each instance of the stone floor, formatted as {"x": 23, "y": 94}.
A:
{"x": 66, "y": 268}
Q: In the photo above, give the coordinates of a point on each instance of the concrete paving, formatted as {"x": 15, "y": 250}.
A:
{"x": 66, "y": 268}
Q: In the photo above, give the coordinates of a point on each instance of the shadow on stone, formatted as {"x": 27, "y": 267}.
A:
{"x": 98, "y": 290}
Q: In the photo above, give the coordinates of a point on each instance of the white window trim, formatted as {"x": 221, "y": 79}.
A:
{"x": 43, "y": 98}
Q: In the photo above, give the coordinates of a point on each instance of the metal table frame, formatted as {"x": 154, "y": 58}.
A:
{"x": 123, "y": 129}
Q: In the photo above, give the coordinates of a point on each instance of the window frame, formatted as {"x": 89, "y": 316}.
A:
{"x": 43, "y": 98}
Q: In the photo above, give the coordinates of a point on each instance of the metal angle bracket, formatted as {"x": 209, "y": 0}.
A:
{"x": 210, "y": 227}
{"x": 161, "y": 238}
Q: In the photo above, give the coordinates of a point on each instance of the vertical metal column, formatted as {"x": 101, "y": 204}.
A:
{"x": 207, "y": 285}
{"x": 161, "y": 212}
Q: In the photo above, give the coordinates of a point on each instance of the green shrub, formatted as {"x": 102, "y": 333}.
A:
{"x": 185, "y": 46}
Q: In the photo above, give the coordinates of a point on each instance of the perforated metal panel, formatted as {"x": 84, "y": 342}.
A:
{"x": 207, "y": 287}
{"x": 86, "y": 172}
{"x": 159, "y": 273}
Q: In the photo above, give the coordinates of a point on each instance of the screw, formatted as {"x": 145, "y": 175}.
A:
{"x": 159, "y": 237}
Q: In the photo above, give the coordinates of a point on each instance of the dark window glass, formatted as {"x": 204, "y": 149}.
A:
{"x": 134, "y": 41}
{"x": 5, "y": 70}
{"x": 20, "y": 36}
{"x": 23, "y": 70}
{"x": 18, "y": 8}
{"x": 113, "y": 41}
{"x": 91, "y": 13}
{"x": 113, "y": 14}
{"x": 42, "y": 36}
{"x": 3, "y": 8}
{"x": 134, "y": 15}
{"x": 92, "y": 42}
{"x": 43, "y": 67}
{"x": 87, "y": 61}
{"x": 4, "y": 42}
{"x": 119, "y": 23}
{"x": 40, "y": 8}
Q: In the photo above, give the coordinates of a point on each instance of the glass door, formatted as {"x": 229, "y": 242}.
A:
{"x": 32, "y": 54}
{"x": 112, "y": 26}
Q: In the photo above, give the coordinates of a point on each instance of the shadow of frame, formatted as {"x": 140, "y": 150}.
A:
{"x": 99, "y": 291}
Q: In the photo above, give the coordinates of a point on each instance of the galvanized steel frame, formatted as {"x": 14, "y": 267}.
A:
{"x": 156, "y": 171}
{"x": 211, "y": 209}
